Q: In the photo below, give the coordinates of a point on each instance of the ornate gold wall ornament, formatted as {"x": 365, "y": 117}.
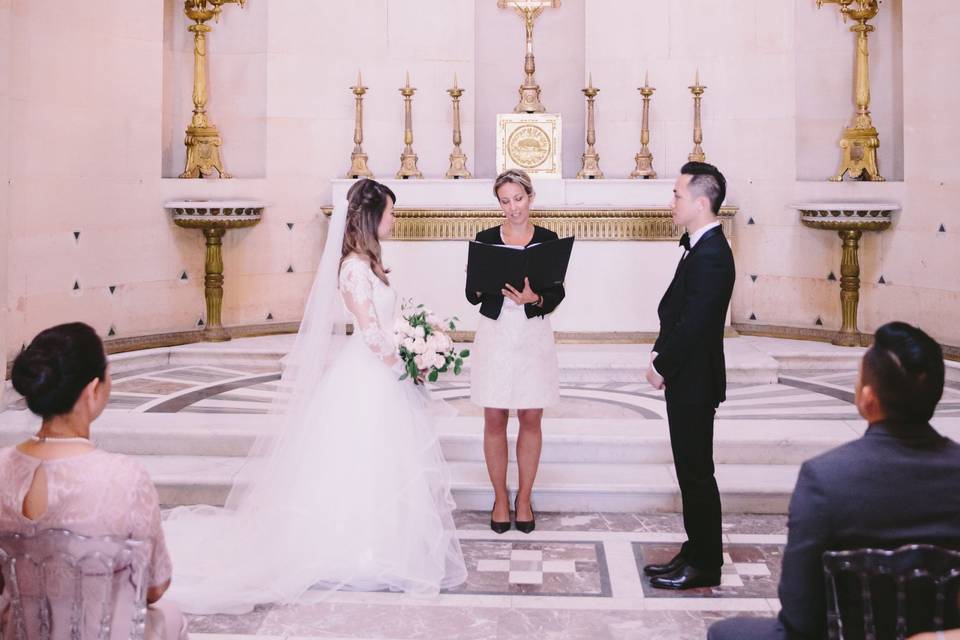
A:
{"x": 860, "y": 141}
{"x": 408, "y": 159}
{"x": 645, "y": 157}
{"x": 458, "y": 160}
{"x": 590, "y": 161}
{"x": 358, "y": 159}
{"x": 203, "y": 139}
{"x": 653, "y": 223}
{"x": 529, "y": 10}
{"x": 697, "y": 89}
{"x": 530, "y": 142}
{"x": 849, "y": 220}
{"x": 214, "y": 219}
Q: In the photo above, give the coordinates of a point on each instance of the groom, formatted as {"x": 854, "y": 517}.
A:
{"x": 687, "y": 361}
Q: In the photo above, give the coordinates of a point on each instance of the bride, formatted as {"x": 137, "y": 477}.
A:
{"x": 353, "y": 492}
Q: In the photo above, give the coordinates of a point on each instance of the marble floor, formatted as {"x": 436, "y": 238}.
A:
{"x": 190, "y": 413}
{"x": 577, "y": 576}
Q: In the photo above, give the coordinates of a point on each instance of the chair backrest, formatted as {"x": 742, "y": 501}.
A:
{"x": 876, "y": 594}
{"x": 63, "y": 585}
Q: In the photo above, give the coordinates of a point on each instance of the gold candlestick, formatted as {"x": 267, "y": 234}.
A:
{"x": 860, "y": 140}
{"x": 358, "y": 159}
{"x": 645, "y": 157}
{"x": 590, "y": 161}
{"x": 203, "y": 139}
{"x": 408, "y": 159}
{"x": 529, "y": 10}
{"x": 458, "y": 160}
{"x": 697, "y": 155}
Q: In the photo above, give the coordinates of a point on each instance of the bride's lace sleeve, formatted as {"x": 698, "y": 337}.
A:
{"x": 356, "y": 287}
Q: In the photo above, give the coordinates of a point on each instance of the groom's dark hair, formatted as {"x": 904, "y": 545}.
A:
{"x": 706, "y": 180}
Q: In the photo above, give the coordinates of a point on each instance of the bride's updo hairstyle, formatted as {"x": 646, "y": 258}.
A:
{"x": 366, "y": 202}
{"x": 59, "y": 363}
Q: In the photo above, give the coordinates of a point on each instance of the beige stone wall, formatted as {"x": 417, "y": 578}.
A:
{"x": 99, "y": 97}
{"x": 5, "y": 7}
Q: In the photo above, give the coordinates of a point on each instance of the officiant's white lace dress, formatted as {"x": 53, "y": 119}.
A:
{"x": 357, "y": 497}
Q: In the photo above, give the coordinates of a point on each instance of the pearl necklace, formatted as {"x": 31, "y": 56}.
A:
{"x": 61, "y": 439}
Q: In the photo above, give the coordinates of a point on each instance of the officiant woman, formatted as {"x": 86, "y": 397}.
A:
{"x": 514, "y": 357}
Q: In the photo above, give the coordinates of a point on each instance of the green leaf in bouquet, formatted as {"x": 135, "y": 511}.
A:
{"x": 452, "y": 326}
{"x": 458, "y": 362}
{"x": 404, "y": 377}
{"x": 465, "y": 353}
{"x": 457, "y": 369}
{"x": 433, "y": 376}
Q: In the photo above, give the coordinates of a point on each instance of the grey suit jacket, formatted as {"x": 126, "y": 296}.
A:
{"x": 898, "y": 484}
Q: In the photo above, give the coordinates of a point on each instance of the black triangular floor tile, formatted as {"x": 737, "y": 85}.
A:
{"x": 76, "y": 235}
{"x": 76, "y": 285}
{"x": 753, "y": 316}
{"x": 200, "y": 322}
{"x": 881, "y": 280}
{"x": 269, "y": 316}
{"x": 290, "y": 226}
{"x": 290, "y": 269}
{"x": 750, "y": 221}
{"x": 112, "y": 288}
{"x": 183, "y": 275}
{"x": 831, "y": 277}
{"x": 112, "y": 332}
{"x": 942, "y": 229}
{"x": 753, "y": 277}
{"x": 819, "y": 322}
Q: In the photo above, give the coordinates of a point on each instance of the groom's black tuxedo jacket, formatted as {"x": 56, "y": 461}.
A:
{"x": 692, "y": 314}
{"x": 491, "y": 304}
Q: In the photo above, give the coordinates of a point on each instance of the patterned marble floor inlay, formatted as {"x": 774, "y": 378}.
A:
{"x": 535, "y": 568}
{"x": 749, "y": 571}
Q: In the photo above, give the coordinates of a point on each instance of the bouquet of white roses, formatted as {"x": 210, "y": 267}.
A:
{"x": 424, "y": 347}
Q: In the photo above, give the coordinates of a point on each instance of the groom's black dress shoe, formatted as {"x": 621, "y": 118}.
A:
{"x": 676, "y": 563}
{"x": 687, "y": 577}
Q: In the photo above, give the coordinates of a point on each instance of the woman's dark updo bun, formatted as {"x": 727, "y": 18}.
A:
{"x": 59, "y": 363}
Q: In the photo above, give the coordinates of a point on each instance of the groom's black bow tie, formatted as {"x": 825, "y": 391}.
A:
{"x": 685, "y": 241}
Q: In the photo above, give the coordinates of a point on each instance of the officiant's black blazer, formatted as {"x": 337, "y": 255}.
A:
{"x": 692, "y": 313}
{"x": 491, "y": 304}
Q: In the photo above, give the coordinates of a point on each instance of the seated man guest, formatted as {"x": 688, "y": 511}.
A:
{"x": 896, "y": 485}
{"x": 58, "y": 479}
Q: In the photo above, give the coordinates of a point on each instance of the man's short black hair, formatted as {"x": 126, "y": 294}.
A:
{"x": 905, "y": 369}
{"x": 706, "y": 180}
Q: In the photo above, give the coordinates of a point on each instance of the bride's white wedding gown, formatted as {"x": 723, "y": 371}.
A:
{"x": 357, "y": 496}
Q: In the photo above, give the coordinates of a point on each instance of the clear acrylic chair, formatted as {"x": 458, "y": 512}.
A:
{"x": 878, "y": 594}
{"x": 61, "y": 585}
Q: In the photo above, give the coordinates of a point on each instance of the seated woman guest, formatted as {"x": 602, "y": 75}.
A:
{"x": 514, "y": 357}
{"x": 58, "y": 479}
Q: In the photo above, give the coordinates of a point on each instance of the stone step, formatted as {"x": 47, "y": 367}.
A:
{"x": 560, "y": 486}
{"x": 573, "y": 440}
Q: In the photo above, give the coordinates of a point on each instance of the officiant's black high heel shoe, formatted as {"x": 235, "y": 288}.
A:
{"x": 525, "y": 526}
{"x": 498, "y": 527}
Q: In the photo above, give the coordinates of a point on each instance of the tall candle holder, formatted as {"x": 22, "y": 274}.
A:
{"x": 860, "y": 140}
{"x": 358, "y": 159}
{"x": 203, "y": 138}
{"x": 590, "y": 161}
{"x": 529, "y": 10}
{"x": 408, "y": 159}
{"x": 458, "y": 160}
{"x": 645, "y": 157}
{"x": 697, "y": 89}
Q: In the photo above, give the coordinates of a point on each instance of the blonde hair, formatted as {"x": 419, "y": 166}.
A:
{"x": 366, "y": 202}
{"x": 513, "y": 176}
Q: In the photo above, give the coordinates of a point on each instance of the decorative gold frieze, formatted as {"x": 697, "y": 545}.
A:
{"x": 586, "y": 224}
